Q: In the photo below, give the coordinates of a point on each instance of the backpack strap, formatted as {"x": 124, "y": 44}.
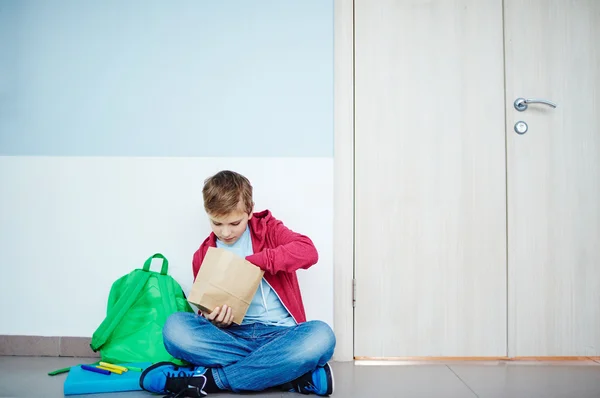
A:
{"x": 165, "y": 264}
{"x": 125, "y": 302}
{"x": 167, "y": 298}
{"x": 122, "y": 305}
{"x": 164, "y": 284}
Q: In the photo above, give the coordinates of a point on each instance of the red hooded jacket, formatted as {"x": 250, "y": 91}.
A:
{"x": 279, "y": 252}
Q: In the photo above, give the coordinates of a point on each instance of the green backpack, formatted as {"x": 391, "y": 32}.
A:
{"x": 138, "y": 306}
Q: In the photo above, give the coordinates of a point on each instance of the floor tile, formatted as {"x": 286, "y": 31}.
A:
{"x": 531, "y": 380}
{"x": 423, "y": 381}
{"x": 27, "y": 377}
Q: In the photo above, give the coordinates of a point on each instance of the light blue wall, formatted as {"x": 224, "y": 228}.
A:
{"x": 166, "y": 78}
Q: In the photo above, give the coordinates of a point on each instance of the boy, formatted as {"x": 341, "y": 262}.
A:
{"x": 275, "y": 346}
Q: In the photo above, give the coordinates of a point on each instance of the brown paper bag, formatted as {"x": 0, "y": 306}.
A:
{"x": 225, "y": 278}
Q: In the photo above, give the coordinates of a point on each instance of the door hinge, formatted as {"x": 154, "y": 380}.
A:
{"x": 353, "y": 293}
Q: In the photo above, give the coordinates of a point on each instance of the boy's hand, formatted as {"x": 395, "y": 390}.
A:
{"x": 221, "y": 317}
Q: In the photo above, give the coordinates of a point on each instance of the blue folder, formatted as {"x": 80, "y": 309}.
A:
{"x": 80, "y": 381}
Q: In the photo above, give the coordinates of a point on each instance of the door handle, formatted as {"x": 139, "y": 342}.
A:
{"x": 521, "y": 103}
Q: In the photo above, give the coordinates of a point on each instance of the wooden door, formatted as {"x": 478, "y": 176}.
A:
{"x": 553, "y": 53}
{"x": 430, "y": 202}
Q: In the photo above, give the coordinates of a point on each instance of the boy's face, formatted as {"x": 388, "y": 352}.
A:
{"x": 229, "y": 228}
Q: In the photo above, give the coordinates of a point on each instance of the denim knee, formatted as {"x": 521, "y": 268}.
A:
{"x": 177, "y": 333}
{"x": 318, "y": 344}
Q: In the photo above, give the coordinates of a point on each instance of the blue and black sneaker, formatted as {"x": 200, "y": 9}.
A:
{"x": 173, "y": 380}
{"x": 319, "y": 381}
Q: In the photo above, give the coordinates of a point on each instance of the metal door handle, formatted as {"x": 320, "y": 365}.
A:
{"x": 521, "y": 103}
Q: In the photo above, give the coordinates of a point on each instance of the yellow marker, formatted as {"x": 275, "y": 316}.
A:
{"x": 112, "y": 370}
{"x": 116, "y": 367}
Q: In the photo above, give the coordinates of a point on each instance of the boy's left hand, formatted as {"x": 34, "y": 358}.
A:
{"x": 221, "y": 317}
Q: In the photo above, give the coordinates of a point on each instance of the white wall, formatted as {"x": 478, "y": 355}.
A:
{"x": 70, "y": 226}
{"x": 113, "y": 113}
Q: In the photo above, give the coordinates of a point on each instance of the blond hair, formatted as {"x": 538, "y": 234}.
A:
{"x": 225, "y": 191}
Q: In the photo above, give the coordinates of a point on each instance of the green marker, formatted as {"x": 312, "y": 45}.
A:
{"x": 59, "y": 371}
{"x": 133, "y": 368}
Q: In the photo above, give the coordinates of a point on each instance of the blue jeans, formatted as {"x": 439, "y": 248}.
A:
{"x": 251, "y": 357}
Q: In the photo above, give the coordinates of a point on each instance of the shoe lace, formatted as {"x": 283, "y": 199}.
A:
{"x": 183, "y": 384}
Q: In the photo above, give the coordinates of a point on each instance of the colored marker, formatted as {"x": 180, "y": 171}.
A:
{"x": 111, "y": 366}
{"x": 135, "y": 369}
{"x": 117, "y": 371}
{"x": 95, "y": 369}
{"x": 59, "y": 371}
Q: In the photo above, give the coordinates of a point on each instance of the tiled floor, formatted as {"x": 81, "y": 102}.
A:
{"x": 27, "y": 377}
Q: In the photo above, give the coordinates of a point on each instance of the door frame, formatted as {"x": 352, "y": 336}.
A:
{"x": 343, "y": 179}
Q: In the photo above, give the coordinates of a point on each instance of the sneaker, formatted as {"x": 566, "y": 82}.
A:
{"x": 173, "y": 380}
{"x": 319, "y": 382}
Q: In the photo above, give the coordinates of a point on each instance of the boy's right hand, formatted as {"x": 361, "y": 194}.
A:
{"x": 221, "y": 317}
